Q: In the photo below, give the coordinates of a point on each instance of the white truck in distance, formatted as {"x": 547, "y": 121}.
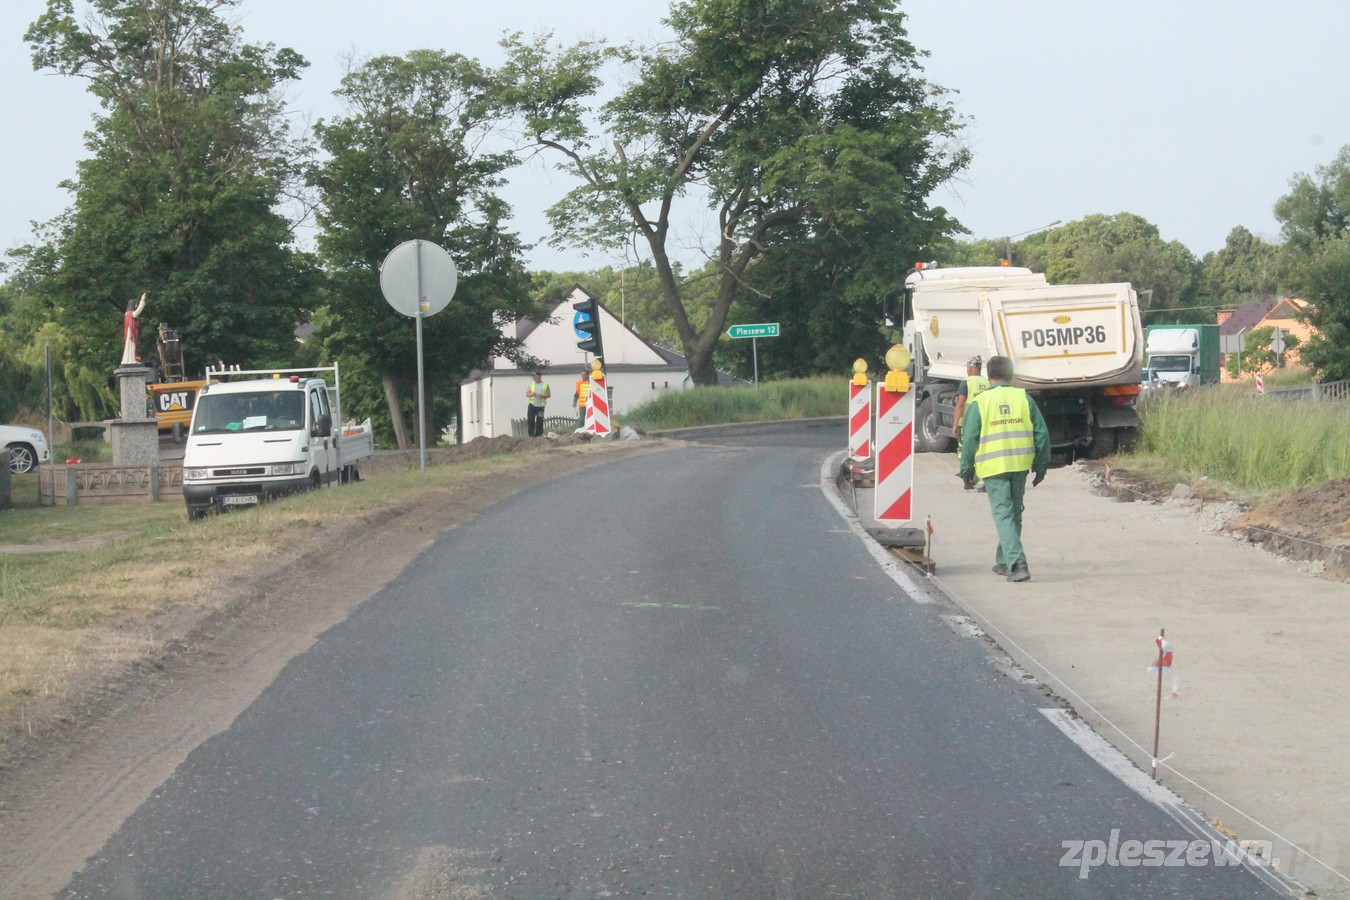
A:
{"x": 1078, "y": 348}
{"x": 263, "y": 437}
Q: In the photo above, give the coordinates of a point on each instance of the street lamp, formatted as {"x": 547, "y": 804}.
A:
{"x": 1007, "y": 241}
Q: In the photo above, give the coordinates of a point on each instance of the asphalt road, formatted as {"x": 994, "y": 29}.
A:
{"x": 679, "y": 675}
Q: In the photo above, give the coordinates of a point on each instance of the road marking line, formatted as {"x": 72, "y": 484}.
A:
{"x": 896, "y": 570}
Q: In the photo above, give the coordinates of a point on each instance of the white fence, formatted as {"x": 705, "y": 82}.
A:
{"x": 1334, "y": 390}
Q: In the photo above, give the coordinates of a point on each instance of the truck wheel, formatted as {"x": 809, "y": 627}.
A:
{"x": 928, "y": 436}
{"x": 1103, "y": 442}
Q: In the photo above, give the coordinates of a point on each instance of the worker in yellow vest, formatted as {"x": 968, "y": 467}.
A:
{"x": 537, "y": 394}
{"x": 974, "y": 385}
{"x": 579, "y": 395}
{"x": 1003, "y": 436}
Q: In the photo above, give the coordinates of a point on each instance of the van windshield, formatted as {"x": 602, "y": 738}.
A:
{"x": 282, "y": 410}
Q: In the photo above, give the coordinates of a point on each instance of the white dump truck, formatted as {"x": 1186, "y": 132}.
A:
{"x": 257, "y": 434}
{"x": 1078, "y": 348}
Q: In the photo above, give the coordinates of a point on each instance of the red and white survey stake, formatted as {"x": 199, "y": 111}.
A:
{"x": 1161, "y": 666}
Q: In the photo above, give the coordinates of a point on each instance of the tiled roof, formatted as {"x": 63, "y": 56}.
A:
{"x": 1246, "y": 316}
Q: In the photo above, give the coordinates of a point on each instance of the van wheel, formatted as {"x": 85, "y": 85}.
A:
{"x": 928, "y": 436}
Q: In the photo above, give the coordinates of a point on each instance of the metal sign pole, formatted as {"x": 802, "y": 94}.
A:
{"x": 754, "y": 351}
{"x": 421, "y": 385}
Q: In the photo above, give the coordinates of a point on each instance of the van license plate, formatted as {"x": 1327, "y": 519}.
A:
{"x": 239, "y": 500}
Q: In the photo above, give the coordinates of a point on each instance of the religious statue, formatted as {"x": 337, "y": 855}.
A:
{"x": 131, "y": 329}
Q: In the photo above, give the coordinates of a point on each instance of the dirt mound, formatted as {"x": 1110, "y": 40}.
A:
{"x": 1310, "y": 523}
{"x": 480, "y": 448}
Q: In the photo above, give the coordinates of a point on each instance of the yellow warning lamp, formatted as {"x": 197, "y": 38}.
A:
{"x": 595, "y": 368}
{"x": 897, "y": 360}
{"x": 860, "y": 371}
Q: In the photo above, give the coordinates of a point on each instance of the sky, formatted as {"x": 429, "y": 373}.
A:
{"x": 1192, "y": 114}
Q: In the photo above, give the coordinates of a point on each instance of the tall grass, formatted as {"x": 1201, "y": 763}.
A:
{"x": 1253, "y": 442}
{"x": 805, "y": 398}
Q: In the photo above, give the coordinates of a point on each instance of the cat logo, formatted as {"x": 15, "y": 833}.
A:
{"x": 173, "y": 400}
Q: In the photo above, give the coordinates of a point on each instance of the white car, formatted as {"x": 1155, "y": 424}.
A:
{"x": 26, "y": 448}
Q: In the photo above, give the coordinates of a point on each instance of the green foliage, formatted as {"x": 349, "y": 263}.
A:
{"x": 408, "y": 162}
{"x": 190, "y": 159}
{"x": 1323, "y": 279}
{"x": 804, "y": 129}
{"x": 1258, "y": 353}
{"x": 1245, "y": 269}
{"x": 1122, "y": 247}
{"x": 773, "y": 400}
{"x": 1315, "y": 215}
{"x": 1254, "y": 442}
{"x": 1317, "y": 209}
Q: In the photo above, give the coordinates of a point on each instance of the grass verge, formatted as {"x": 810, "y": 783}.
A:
{"x": 805, "y": 398}
{"x": 88, "y": 610}
{"x": 1255, "y": 445}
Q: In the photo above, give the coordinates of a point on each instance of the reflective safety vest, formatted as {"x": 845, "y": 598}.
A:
{"x": 583, "y": 388}
{"x": 1007, "y": 436}
{"x": 975, "y": 385}
{"x": 538, "y": 392}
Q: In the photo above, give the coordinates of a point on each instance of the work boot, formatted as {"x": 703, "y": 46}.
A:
{"x": 1000, "y": 569}
{"x": 1020, "y": 572}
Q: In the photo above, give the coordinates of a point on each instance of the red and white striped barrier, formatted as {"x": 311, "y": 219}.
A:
{"x": 894, "y": 493}
{"x": 597, "y": 407}
{"x": 1260, "y": 384}
{"x": 860, "y": 420}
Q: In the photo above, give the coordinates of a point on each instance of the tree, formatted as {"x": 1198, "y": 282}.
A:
{"x": 1246, "y": 268}
{"x": 1315, "y": 215}
{"x": 1323, "y": 280}
{"x": 803, "y": 127}
{"x": 1123, "y": 247}
{"x": 191, "y": 157}
{"x": 1258, "y": 351}
{"x": 1317, "y": 209}
{"x": 409, "y": 162}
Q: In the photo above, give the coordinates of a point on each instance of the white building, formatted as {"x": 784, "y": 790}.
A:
{"x": 635, "y": 371}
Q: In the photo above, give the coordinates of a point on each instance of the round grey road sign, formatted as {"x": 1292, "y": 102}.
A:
{"x": 418, "y": 278}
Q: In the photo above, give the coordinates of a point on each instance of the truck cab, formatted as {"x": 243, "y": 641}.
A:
{"x": 1181, "y": 356}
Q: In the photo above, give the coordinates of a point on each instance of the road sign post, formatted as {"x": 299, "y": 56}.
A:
{"x": 754, "y": 332}
{"x": 418, "y": 279}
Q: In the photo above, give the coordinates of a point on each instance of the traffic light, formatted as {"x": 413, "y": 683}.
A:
{"x": 587, "y": 323}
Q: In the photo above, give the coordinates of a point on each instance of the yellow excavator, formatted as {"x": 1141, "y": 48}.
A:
{"x": 171, "y": 399}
